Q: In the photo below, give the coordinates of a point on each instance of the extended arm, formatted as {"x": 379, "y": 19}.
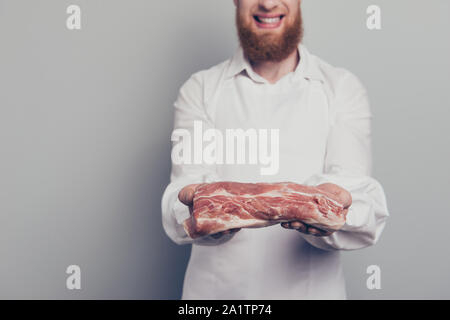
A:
{"x": 348, "y": 165}
{"x": 189, "y": 109}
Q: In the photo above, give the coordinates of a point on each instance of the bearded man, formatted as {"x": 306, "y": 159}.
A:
{"x": 324, "y": 122}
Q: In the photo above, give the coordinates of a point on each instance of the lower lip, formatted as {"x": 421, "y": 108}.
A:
{"x": 268, "y": 26}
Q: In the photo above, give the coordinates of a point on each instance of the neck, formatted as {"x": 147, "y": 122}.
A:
{"x": 274, "y": 71}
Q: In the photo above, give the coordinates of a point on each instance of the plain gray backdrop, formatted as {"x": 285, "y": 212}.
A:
{"x": 85, "y": 123}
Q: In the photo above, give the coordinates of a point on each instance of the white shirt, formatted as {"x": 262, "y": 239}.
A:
{"x": 325, "y": 136}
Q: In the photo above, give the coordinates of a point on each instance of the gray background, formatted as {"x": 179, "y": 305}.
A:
{"x": 86, "y": 116}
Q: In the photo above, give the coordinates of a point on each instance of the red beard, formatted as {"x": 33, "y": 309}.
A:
{"x": 266, "y": 47}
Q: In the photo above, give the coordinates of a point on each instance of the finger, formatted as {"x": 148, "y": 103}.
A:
{"x": 347, "y": 199}
{"x": 296, "y": 225}
{"x": 222, "y": 233}
{"x": 299, "y": 226}
{"x": 344, "y": 196}
{"x": 318, "y": 232}
{"x": 287, "y": 225}
{"x": 186, "y": 195}
{"x": 217, "y": 235}
{"x": 345, "y": 212}
{"x": 230, "y": 231}
{"x": 304, "y": 228}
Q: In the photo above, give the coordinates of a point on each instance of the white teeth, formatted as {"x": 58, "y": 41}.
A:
{"x": 269, "y": 20}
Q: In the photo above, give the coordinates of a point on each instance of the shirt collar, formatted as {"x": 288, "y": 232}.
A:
{"x": 307, "y": 67}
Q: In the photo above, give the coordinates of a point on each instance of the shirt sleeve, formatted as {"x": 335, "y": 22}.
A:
{"x": 348, "y": 164}
{"x": 189, "y": 110}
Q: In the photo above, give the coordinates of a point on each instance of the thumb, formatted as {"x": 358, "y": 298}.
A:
{"x": 186, "y": 195}
{"x": 340, "y": 193}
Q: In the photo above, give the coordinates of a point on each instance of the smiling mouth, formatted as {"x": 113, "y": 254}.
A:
{"x": 268, "y": 21}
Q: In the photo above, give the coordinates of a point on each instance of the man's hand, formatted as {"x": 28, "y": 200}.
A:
{"x": 342, "y": 195}
{"x": 186, "y": 196}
